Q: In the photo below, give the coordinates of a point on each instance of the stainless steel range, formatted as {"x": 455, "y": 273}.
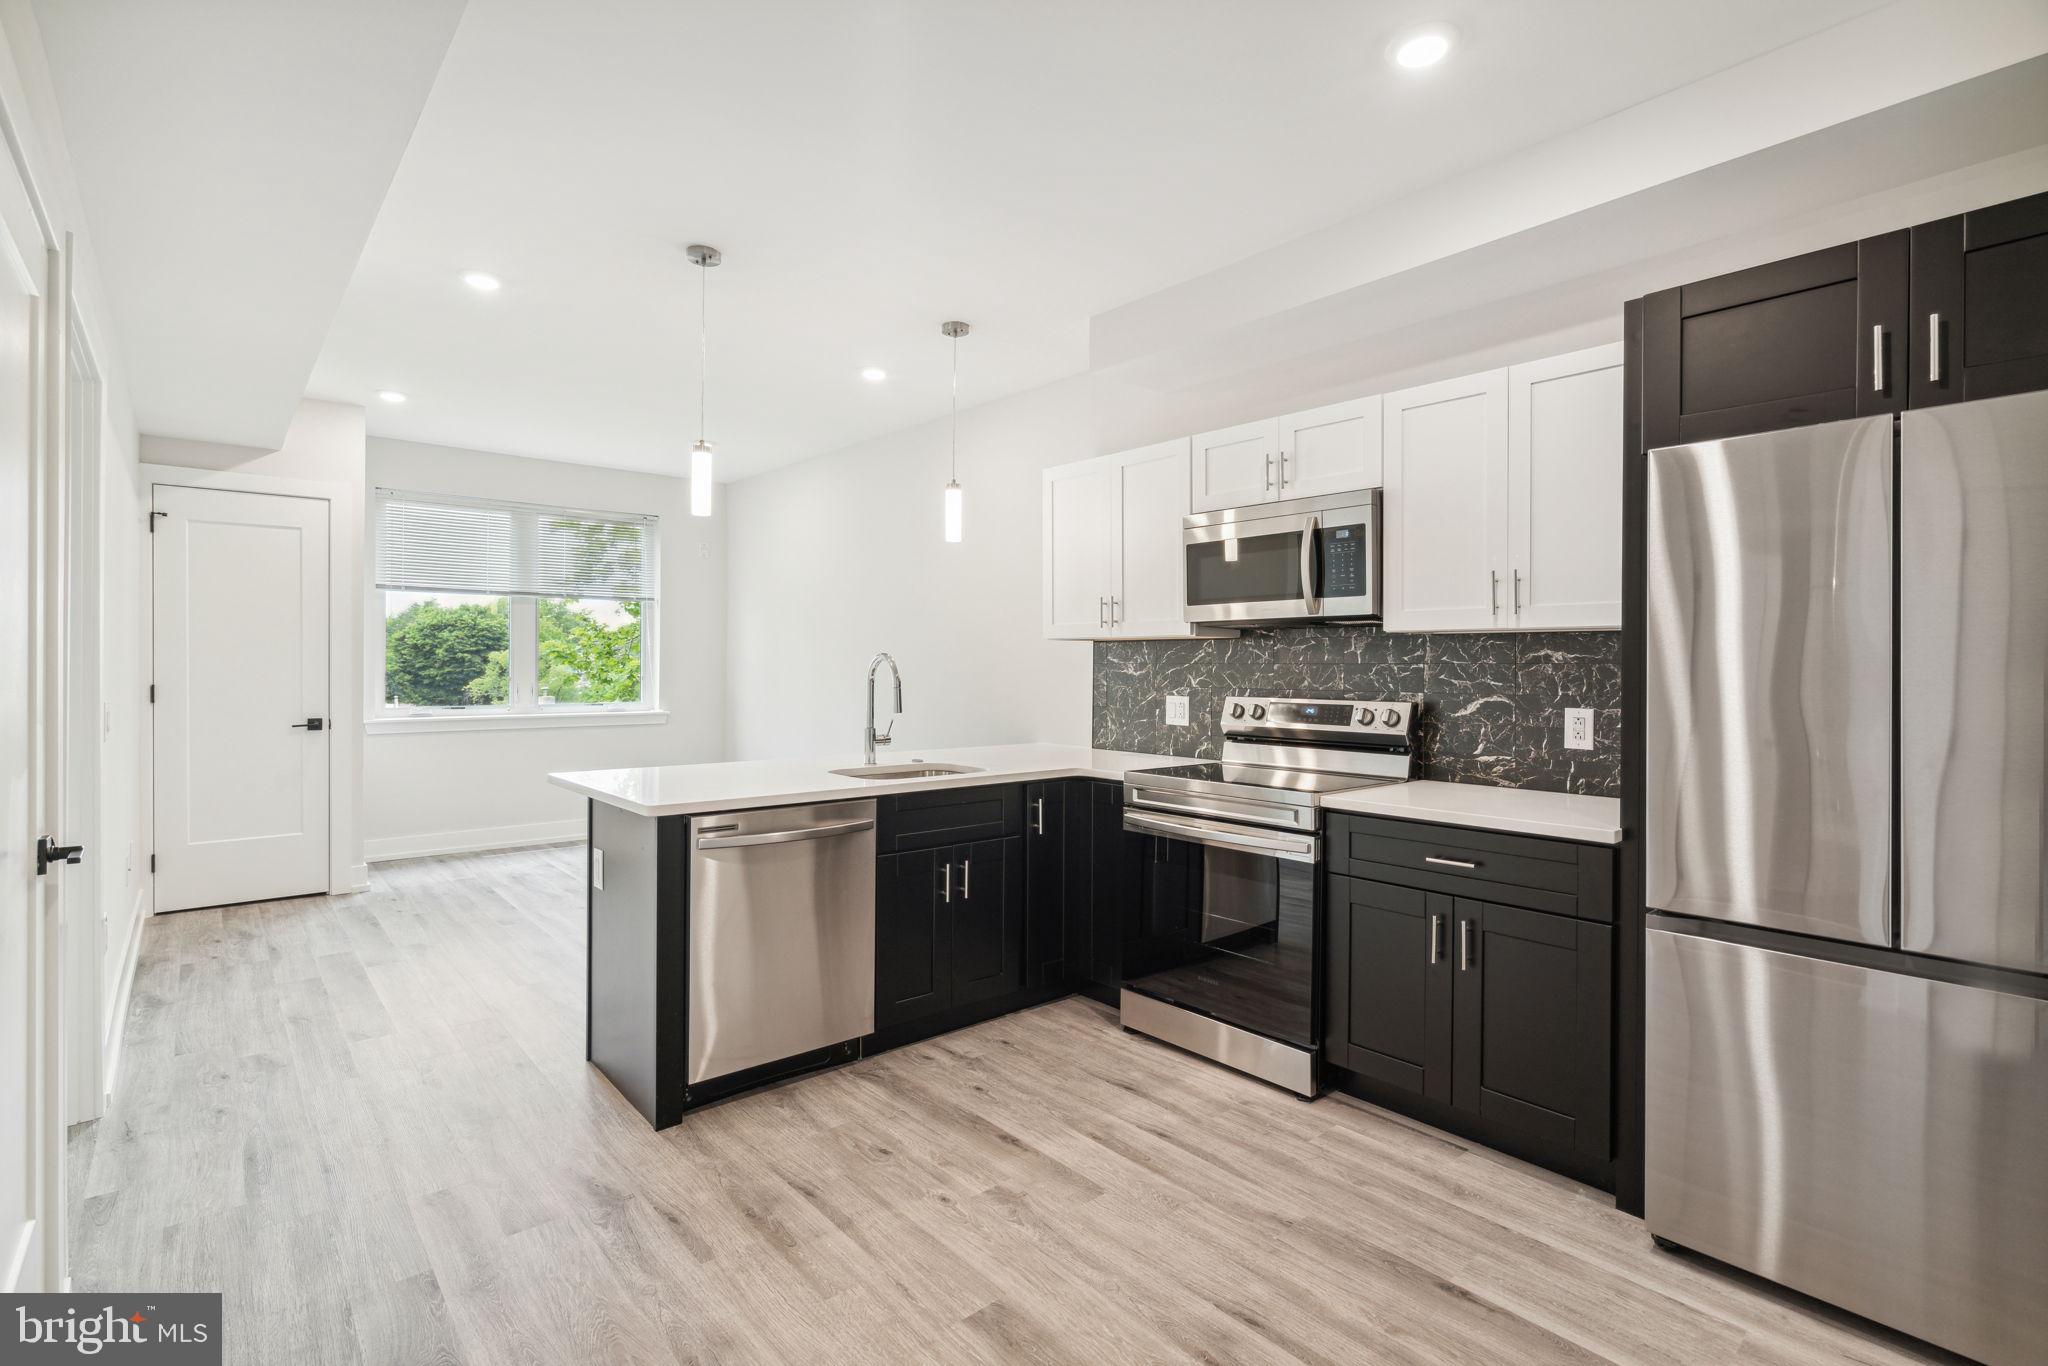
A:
{"x": 1223, "y": 936}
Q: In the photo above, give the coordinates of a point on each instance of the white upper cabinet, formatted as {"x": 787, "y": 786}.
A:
{"x": 1236, "y": 466}
{"x": 1152, "y": 497}
{"x": 1564, "y": 491}
{"x": 1112, "y": 550}
{"x": 1445, "y": 520}
{"x": 1080, "y": 529}
{"x": 1333, "y": 449}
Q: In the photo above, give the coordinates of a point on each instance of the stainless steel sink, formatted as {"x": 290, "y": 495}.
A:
{"x": 914, "y": 769}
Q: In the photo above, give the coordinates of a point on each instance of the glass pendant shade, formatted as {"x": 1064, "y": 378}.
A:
{"x": 700, "y": 479}
{"x": 953, "y": 511}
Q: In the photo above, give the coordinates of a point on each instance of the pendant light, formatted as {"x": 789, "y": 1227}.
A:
{"x": 703, "y": 258}
{"x": 956, "y": 331}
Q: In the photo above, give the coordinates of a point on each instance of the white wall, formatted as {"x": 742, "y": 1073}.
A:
{"x": 447, "y": 790}
{"x": 323, "y": 453}
{"x": 836, "y": 558}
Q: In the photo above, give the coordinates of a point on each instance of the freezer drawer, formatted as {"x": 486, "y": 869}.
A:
{"x": 1869, "y": 1138}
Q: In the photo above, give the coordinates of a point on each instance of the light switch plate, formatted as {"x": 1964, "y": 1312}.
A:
{"x": 597, "y": 869}
{"x": 1578, "y": 727}
{"x": 1177, "y": 709}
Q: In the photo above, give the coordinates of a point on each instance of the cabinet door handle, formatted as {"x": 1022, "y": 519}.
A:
{"x": 1464, "y": 945}
{"x": 1518, "y": 594}
{"x": 1493, "y": 591}
{"x": 1102, "y": 611}
{"x": 1038, "y": 816}
{"x": 1269, "y": 471}
{"x": 1449, "y": 862}
{"x": 1934, "y": 348}
{"x": 1115, "y": 610}
{"x": 967, "y": 879}
{"x": 946, "y": 887}
{"x": 1283, "y": 471}
{"x": 1877, "y": 358}
{"x": 1436, "y": 939}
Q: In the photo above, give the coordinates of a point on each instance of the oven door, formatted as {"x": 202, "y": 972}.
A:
{"x": 1225, "y": 923}
{"x": 1252, "y": 564}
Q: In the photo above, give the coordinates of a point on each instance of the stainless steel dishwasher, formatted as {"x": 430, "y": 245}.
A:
{"x": 782, "y": 934}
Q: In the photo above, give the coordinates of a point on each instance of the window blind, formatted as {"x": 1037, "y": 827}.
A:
{"x": 438, "y": 543}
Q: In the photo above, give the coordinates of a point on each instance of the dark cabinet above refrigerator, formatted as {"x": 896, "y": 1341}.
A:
{"x": 1951, "y": 310}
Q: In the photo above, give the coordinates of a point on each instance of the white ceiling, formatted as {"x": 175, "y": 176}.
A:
{"x": 230, "y": 157}
{"x": 869, "y": 169}
{"x": 873, "y": 169}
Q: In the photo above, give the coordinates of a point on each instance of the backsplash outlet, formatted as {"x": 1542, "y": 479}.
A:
{"x": 1492, "y": 704}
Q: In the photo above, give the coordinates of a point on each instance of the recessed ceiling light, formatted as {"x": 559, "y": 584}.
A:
{"x": 1422, "y": 47}
{"x": 391, "y": 396}
{"x": 874, "y": 374}
{"x": 483, "y": 282}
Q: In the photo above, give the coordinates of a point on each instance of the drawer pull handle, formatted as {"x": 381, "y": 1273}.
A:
{"x": 1449, "y": 862}
{"x": 1436, "y": 950}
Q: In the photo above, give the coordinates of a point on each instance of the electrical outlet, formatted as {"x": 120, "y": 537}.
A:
{"x": 1578, "y": 727}
{"x": 1177, "y": 709}
{"x": 597, "y": 869}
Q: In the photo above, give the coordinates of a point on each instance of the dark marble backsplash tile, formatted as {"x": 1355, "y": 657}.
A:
{"x": 1492, "y": 704}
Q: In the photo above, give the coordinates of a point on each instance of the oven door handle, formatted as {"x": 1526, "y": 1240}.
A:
{"x": 1293, "y": 848}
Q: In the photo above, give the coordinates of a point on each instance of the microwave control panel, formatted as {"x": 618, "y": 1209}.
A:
{"x": 1343, "y": 556}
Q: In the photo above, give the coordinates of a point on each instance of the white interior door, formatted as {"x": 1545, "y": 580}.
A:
{"x": 1236, "y": 466}
{"x": 1446, "y": 514}
{"x": 1079, "y": 555}
{"x": 30, "y": 1131}
{"x": 1564, "y": 491}
{"x": 1152, "y": 499}
{"x": 1332, "y": 449}
{"x": 240, "y": 672}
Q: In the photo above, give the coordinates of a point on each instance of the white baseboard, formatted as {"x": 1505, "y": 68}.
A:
{"x": 472, "y": 841}
{"x": 359, "y": 877}
{"x": 116, "y": 1026}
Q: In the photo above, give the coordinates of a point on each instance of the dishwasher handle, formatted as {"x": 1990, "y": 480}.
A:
{"x": 805, "y": 832}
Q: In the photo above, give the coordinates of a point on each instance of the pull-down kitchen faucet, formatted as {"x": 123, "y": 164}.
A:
{"x": 871, "y": 739}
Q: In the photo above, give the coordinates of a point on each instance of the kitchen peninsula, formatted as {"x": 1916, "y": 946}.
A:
{"x": 994, "y": 879}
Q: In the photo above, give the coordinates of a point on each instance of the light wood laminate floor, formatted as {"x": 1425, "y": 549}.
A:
{"x": 369, "y": 1122}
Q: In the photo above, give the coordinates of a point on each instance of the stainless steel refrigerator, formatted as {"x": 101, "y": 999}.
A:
{"x": 1846, "y": 851}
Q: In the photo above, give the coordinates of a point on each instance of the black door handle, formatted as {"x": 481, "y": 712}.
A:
{"x": 311, "y": 723}
{"x": 49, "y": 852}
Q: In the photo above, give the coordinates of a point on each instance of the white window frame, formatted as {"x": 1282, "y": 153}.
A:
{"x": 524, "y": 710}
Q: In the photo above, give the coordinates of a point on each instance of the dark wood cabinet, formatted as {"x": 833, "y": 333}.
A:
{"x": 1448, "y": 999}
{"x": 1389, "y": 999}
{"x": 1980, "y": 303}
{"x": 1046, "y": 837}
{"x": 981, "y": 901}
{"x": 948, "y": 928}
{"x": 1533, "y": 1038}
{"x": 1103, "y": 878}
{"x": 913, "y": 952}
{"x": 1810, "y": 339}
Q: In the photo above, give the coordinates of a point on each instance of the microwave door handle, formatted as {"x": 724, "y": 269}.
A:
{"x": 1311, "y": 600}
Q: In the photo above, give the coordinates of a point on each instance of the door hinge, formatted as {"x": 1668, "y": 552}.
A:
{"x": 152, "y": 863}
{"x": 152, "y": 694}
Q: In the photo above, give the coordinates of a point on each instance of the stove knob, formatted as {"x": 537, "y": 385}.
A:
{"x": 1258, "y": 712}
{"x": 1236, "y": 710}
{"x": 1390, "y": 717}
{"x": 1365, "y": 716}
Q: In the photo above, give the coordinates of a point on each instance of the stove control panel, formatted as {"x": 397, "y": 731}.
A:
{"x": 1318, "y": 717}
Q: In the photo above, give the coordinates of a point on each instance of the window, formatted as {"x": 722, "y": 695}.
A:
{"x": 510, "y": 610}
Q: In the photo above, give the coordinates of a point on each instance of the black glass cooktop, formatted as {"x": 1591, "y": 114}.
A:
{"x": 1264, "y": 776}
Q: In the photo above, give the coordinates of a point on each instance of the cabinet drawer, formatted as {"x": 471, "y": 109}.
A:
{"x": 926, "y": 820}
{"x": 1557, "y": 876}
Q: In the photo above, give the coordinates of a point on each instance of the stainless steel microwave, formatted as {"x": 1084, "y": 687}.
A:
{"x": 1310, "y": 559}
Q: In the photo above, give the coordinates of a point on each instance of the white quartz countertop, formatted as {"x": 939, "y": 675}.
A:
{"x": 1557, "y": 815}
{"x": 693, "y": 789}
